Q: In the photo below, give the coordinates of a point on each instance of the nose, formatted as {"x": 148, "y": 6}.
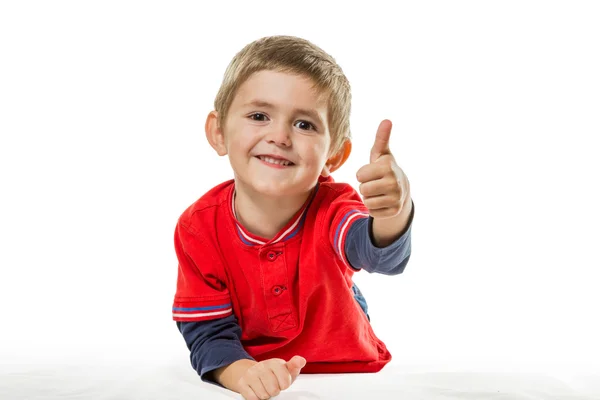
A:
{"x": 279, "y": 135}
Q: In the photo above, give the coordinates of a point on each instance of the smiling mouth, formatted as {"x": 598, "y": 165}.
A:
{"x": 275, "y": 161}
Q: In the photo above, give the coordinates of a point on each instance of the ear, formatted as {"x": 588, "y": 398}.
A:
{"x": 337, "y": 160}
{"x": 214, "y": 133}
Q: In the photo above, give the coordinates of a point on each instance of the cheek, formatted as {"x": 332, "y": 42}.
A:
{"x": 320, "y": 151}
{"x": 242, "y": 141}
{"x": 314, "y": 154}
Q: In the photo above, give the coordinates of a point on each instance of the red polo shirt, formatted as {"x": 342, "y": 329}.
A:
{"x": 292, "y": 295}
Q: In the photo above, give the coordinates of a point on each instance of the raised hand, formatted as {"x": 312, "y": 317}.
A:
{"x": 383, "y": 185}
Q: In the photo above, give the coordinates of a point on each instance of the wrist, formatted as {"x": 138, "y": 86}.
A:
{"x": 230, "y": 375}
{"x": 387, "y": 230}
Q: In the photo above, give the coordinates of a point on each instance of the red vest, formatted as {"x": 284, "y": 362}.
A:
{"x": 292, "y": 295}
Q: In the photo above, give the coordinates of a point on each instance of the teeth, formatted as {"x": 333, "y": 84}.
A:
{"x": 274, "y": 161}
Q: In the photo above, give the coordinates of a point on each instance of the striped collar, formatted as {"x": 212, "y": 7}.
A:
{"x": 288, "y": 232}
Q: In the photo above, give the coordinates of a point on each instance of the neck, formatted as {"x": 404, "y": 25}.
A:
{"x": 262, "y": 215}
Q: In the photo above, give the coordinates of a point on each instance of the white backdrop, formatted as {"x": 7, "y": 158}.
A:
{"x": 496, "y": 114}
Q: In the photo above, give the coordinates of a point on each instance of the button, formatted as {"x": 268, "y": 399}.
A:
{"x": 277, "y": 290}
{"x": 272, "y": 255}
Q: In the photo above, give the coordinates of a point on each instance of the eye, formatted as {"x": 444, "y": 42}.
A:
{"x": 258, "y": 117}
{"x": 304, "y": 125}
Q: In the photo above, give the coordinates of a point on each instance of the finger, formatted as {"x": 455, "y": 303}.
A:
{"x": 378, "y": 187}
{"x": 296, "y": 362}
{"x": 295, "y": 365}
{"x": 258, "y": 388}
{"x": 371, "y": 172}
{"x": 248, "y": 394}
{"x": 283, "y": 376}
{"x": 382, "y": 140}
{"x": 270, "y": 383}
{"x": 384, "y": 212}
{"x": 377, "y": 203}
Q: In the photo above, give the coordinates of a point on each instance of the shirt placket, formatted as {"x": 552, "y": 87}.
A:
{"x": 276, "y": 288}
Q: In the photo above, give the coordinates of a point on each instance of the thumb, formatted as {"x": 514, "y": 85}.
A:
{"x": 382, "y": 140}
{"x": 295, "y": 364}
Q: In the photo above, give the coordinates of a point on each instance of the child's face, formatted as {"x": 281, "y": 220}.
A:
{"x": 276, "y": 134}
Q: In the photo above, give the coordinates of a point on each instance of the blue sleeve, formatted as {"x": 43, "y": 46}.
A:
{"x": 213, "y": 344}
{"x": 363, "y": 254}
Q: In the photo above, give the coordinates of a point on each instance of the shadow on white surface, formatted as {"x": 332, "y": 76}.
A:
{"x": 177, "y": 381}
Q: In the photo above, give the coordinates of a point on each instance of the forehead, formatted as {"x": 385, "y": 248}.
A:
{"x": 282, "y": 89}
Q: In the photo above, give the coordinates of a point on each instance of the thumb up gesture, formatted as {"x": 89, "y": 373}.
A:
{"x": 383, "y": 185}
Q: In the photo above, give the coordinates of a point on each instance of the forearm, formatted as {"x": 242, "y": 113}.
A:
{"x": 387, "y": 230}
{"x": 363, "y": 254}
{"x": 213, "y": 345}
{"x": 230, "y": 375}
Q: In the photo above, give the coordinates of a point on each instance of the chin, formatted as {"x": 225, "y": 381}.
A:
{"x": 271, "y": 186}
{"x": 274, "y": 189}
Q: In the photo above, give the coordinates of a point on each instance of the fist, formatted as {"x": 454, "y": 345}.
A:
{"x": 268, "y": 378}
{"x": 383, "y": 185}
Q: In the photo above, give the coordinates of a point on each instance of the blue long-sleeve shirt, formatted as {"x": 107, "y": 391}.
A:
{"x": 217, "y": 343}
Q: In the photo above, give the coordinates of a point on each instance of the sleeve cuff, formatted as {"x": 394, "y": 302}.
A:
{"x": 363, "y": 254}
{"x": 185, "y": 310}
{"x": 226, "y": 356}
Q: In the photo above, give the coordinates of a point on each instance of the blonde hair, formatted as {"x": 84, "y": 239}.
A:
{"x": 297, "y": 56}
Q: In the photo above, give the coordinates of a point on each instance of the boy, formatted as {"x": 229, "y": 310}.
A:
{"x": 264, "y": 286}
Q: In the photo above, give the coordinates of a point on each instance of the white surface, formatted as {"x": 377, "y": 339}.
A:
{"x": 173, "y": 380}
{"x": 495, "y": 109}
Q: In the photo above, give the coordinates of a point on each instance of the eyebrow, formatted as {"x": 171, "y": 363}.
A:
{"x": 264, "y": 104}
